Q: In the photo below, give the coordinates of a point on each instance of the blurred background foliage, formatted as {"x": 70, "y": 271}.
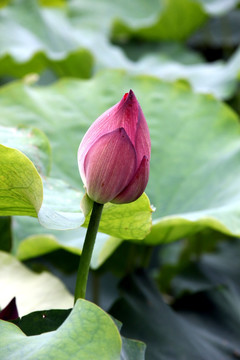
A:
{"x": 174, "y": 285}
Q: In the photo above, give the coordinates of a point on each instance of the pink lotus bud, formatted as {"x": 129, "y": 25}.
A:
{"x": 113, "y": 157}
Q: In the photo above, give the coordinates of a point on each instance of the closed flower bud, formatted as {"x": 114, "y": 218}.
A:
{"x": 114, "y": 154}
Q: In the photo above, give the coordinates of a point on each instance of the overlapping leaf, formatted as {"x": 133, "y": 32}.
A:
{"x": 40, "y": 322}
{"x": 88, "y": 333}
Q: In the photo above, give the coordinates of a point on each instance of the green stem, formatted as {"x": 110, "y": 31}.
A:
{"x": 83, "y": 270}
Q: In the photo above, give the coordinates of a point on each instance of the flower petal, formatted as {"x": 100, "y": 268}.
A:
{"x": 128, "y": 115}
{"x": 122, "y": 115}
{"x": 109, "y": 166}
{"x": 136, "y": 186}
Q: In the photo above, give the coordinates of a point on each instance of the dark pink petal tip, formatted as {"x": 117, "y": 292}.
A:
{"x": 128, "y": 97}
{"x": 10, "y": 312}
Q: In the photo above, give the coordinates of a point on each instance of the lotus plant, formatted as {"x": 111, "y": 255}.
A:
{"x": 113, "y": 160}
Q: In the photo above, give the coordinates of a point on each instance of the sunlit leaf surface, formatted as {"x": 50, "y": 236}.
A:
{"x": 32, "y": 291}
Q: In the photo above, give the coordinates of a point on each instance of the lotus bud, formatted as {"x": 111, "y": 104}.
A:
{"x": 114, "y": 154}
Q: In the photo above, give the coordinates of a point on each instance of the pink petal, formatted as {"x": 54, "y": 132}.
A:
{"x": 136, "y": 186}
{"x": 122, "y": 115}
{"x": 109, "y": 166}
{"x": 128, "y": 115}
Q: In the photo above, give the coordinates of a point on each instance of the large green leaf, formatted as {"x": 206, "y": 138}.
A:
{"x": 44, "y": 321}
{"x": 32, "y": 291}
{"x": 88, "y": 334}
{"x": 190, "y": 189}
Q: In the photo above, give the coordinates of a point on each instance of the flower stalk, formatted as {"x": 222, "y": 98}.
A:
{"x": 84, "y": 265}
{"x": 113, "y": 161}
